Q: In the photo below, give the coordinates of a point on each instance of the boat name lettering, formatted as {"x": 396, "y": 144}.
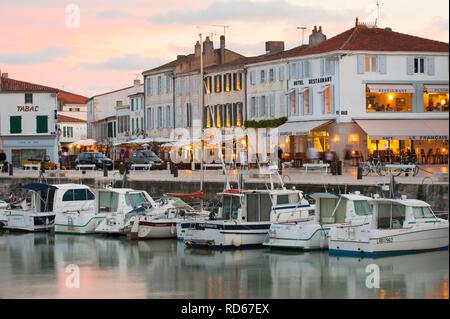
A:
{"x": 385, "y": 240}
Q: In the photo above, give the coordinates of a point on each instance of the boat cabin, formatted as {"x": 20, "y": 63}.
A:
{"x": 396, "y": 213}
{"x": 113, "y": 200}
{"x": 259, "y": 205}
{"x": 340, "y": 208}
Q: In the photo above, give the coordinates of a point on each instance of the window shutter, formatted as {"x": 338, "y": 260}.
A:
{"x": 382, "y": 64}
{"x": 151, "y": 85}
{"x": 430, "y": 66}
{"x": 306, "y": 66}
{"x": 282, "y": 111}
{"x": 272, "y": 105}
{"x": 322, "y": 67}
{"x": 42, "y": 124}
{"x": 311, "y": 95}
{"x": 15, "y": 124}
{"x": 333, "y": 100}
{"x": 163, "y": 85}
{"x": 332, "y": 66}
{"x": 360, "y": 62}
{"x": 281, "y": 73}
{"x": 298, "y": 70}
{"x": 146, "y": 86}
{"x": 410, "y": 65}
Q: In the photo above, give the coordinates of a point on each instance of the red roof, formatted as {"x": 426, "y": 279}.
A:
{"x": 364, "y": 38}
{"x": 11, "y": 85}
{"x": 71, "y": 98}
{"x": 68, "y": 119}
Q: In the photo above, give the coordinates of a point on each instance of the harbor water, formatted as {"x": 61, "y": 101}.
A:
{"x": 67, "y": 266}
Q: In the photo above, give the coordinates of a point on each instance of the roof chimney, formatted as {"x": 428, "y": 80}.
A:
{"x": 4, "y": 75}
{"x": 197, "y": 49}
{"x": 274, "y": 47}
{"x": 208, "y": 45}
{"x": 137, "y": 82}
{"x": 222, "y": 49}
{"x": 356, "y": 22}
{"x": 316, "y": 36}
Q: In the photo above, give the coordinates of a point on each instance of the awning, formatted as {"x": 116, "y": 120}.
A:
{"x": 321, "y": 90}
{"x": 436, "y": 88}
{"x": 405, "y": 129}
{"x": 391, "y": 88}
{"x": 36, "y": 186}
{"x": 290, "y": 91}
{"x": 300, "y": 128}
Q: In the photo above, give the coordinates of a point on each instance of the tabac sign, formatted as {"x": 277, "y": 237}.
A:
{"x": 28, "y": 108}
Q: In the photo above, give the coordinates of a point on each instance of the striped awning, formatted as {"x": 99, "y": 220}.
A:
{"x": 391, "y": 88}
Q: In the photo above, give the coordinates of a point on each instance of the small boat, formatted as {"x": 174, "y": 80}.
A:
{"x": 3, "y": 219}
{"x": 246, "y": 215}
{"x": 397, "y": 226}
{"x": 119, "y": 206}
{"x": 165, "y": 220}
{"x": 311, "y": 232}
{"x": 38, "y": 214}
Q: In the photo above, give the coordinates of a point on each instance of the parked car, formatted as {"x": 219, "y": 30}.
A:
{"x": 147, "y": 157}
{"x": 97, "y": 158}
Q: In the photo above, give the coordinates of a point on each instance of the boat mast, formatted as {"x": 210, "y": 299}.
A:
{"x": 202, "y": 83}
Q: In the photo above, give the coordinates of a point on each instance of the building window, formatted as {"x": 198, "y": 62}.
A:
{"x": 435, "y": 99}
{"x": 262, "y": 106}
{"x": 253, "y": 106}
{"x": 132, "y": 104}
{"x": 419, "y": 65}
{"x": 237, "y": 114}
{"x": 271, "y": 75}
{"x": 228, "y": 115}
{"x": 237, "y": 81}
{"x": 227, "y": 82}
{"x": 263, "y": 76}
{"x": 208, "y": 85}
{"x": 15, "y": 124}
{"x": 188, "y": 114}
{"x": 327, "y": 107}
{"x": 218, "y": 115}
{"x": 306, "y": 102}
{"x": 217, "y": 83}
{"x": 67, "y": 131}
{"x": 388, "y": 102}
{"x": 28, "y": 98}
{"x": 187, "y": 86}
{"x": 208, "y": 116}
{"x": 281, "y": 73}
{"x": 253, "y": 77}
{"x": 168, "y": 84}
{"x": 110, "y": 130}
{"x": 42, "y": 124}
{"x": 159, "y": 86}
{"x": 371, "y": 63}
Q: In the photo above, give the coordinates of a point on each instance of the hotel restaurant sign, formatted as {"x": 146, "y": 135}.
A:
{"x": 327, "y": 79}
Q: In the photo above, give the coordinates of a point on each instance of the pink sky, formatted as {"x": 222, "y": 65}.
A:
{"x": 118, "y": 39}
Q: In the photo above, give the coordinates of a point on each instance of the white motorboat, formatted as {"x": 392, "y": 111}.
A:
{"x": 3, "y": 219}
{"x": 38, "y": 214}
{"x": 312, "y": 232}
{"x": 397, "y": 226}
{"x": 119, "y": 206}
{"x": 165, "y": 220}
{"x": 246, "y": 215}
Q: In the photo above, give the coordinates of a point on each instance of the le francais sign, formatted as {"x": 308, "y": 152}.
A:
{"x": 28, "y": 108}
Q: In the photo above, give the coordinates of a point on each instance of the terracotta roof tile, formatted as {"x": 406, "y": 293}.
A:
{"x": 69, "y": 119}
{"x": 71, "y": 98}
{"x": 11, "y": 85}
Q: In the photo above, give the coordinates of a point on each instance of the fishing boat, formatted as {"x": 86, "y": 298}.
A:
{"x": 162, "y": 221}
{"x": 121, "y": 205}
{"x": 397, "y": 226}
{"x": 246, "y": 215}
{"x": 37, "y": 213}
{"x": 311, "y": 232}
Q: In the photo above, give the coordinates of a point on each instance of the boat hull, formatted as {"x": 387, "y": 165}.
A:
{"x": 84, "y": 223}
{"x": 393, "y": 242}
{"x": 301, "y": 236}
{"x": 112, "y": 225}
{"x": 226, "y": 234}
{"x": 29, "y": 221}
{"x": 155, "y": 229}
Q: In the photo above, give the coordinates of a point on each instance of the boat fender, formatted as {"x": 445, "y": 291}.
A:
{"x": 236, "y": 241}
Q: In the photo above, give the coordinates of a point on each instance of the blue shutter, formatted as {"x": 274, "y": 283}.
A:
{"x": 430, "y": 66}
{"x": 361, "y": 62}
{"x": 382, "y": 64}
{"x": 409, "y": 65}
{"x": 322, "y": 67}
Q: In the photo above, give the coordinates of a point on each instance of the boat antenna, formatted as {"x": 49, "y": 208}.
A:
{"x": 202, "y": 102}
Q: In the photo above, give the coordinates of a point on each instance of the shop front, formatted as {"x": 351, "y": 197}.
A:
{"x": 305, "y": 141}
{"x": 18, "y": 149}
{"x": 392, "y": 140}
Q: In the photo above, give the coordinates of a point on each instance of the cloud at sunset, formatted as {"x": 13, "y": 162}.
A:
{"x": 118, "y": 39}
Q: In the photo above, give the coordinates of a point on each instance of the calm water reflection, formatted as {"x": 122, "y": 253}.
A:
{"x": 33, "y": 266}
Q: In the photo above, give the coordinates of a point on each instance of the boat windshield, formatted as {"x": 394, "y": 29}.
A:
{"x": 363, "y": 208}
{"x": 135, "y": 199}
{"x": 230, "y": 206}
{"x": 422, "y": 212}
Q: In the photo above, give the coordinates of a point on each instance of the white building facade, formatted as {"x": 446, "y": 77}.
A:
{"x": 28, "y": 121}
